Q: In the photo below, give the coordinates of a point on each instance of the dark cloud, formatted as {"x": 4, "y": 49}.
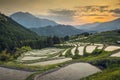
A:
{"x": 118, "y": 4}
{"x": 116, "y": 15}
{"x": 116, "y": 11}
{"x": 62, "y": 14}
{"x": 94, "y": 14}
{"x": 93, "y": 8}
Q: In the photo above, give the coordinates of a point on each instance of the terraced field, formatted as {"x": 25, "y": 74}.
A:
{"x": 54, "y": 56}
{"x": 36, "y": 55}
{"x": 81, "y": 50}
{"x": 73, "y": 51}
{"x": 90, "y": 49}
{"x": 112, "y": 48}
{"x": 71, "y": 72}
{"x": 116, "y": 55}
{"x": 65, "y": 51}
{"x": 12, "y": 74}
{"x": 50, "y": 62}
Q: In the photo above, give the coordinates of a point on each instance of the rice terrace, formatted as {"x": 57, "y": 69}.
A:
{"x": 59, "y": 40}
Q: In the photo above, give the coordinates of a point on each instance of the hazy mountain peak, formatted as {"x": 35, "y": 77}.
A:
{"x": 30, "y": 21}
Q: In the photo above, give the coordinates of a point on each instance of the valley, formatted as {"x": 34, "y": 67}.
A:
{"x": 77, "y": 59}
{"x": 40, "y": 49}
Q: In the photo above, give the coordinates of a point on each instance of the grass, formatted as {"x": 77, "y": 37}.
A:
{"x": 68, "y": 53}
{"x": 108, "y": 37}
{"x": 111, "y": 69}
{"x": 76, "y": 51}
{"x": 108, "y": 74}
{"x": 49, "y": 67}
{"x": 110, "y": 66}
{"x": 100, "y": 58}
{"x": 49, "y": 57}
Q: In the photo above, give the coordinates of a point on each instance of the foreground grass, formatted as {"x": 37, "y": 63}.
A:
{"x": 110, "y": 66}
{"x": 36, "y": 69}
{"x": 111, "y": 70}
{"x": 107, "y": 74}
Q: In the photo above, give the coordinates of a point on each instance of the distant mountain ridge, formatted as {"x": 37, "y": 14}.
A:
{"x": 58, "y": 30}
{"x": 88, "y": 26}
{"x": 30, "y": 21}
{"x": 100, "y": 27}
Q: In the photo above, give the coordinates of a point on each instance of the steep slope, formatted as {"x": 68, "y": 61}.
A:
{"x": 30, "y": 21}
{"x": 100, "y": 27}
{"x": 59, "y": 30}
{"x": 13, "y": 34}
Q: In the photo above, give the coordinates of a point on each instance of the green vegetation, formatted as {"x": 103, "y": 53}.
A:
{"x": 5, "y": 56}
{"x": 100, "y": 58}
{"x": 14, "y": 36}
{"x": 108, "y": 37}
{"x": 76, "y": 56}
{"x": 110, "y": 66}
{"x": 15, "y": 40}
{"x": 68, "y": 53}
{"x": 111, "y": 70}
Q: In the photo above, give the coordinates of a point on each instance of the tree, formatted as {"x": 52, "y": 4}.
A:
{"x": 56, "y": 40}
{"x": 66, "y": 38}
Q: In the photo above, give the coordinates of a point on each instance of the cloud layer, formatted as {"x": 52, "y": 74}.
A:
{"x": 66, "y": 11}
{"x": 63, "y": 15}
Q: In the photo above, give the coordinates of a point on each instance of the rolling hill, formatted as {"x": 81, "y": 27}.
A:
{"x": 107, "y": 37}
{"x": 58, "y": 30}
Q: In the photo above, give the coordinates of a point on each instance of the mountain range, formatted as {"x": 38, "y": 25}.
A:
{"x": 30, "y": 21}
{"x": 58, "y": 30}
{"x": 101, "y": 27}
{"x": 45, "y": 27}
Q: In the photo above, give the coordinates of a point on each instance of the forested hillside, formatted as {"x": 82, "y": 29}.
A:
{"x": 58, "y": 30}
{"x": 13, "y": 36}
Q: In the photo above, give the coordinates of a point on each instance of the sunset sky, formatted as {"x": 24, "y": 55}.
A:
{"x": 74, "y": 12}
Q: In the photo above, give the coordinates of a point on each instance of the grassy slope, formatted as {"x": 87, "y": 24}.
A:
{"x": 109, "y": 37}
{"x": 110, "y": 66}
{"x": 10, "y": 28}
{"x": 108, "y": 74}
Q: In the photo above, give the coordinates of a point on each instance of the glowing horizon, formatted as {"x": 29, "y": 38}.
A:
{"x": 71, "y": 12}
